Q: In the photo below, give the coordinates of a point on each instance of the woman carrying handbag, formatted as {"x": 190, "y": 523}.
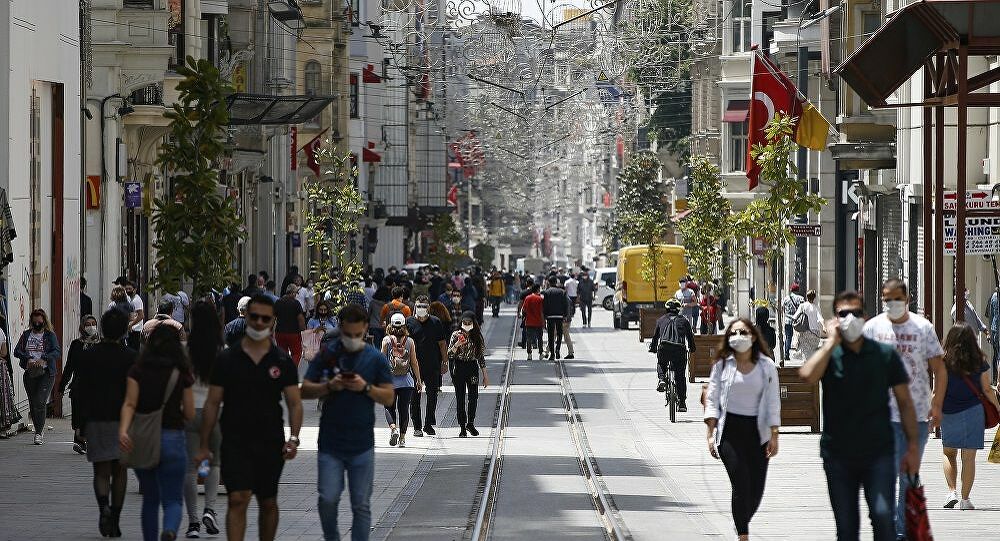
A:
{"x": 158, "y": 402}
{"x": 963, "y": 421}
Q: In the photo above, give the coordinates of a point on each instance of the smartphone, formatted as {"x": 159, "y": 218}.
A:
{"x": 348, "y": 375}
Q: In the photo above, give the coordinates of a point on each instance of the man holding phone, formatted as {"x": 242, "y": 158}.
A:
{"x": 857, "y": 445}
{"x": 351, "y": 375}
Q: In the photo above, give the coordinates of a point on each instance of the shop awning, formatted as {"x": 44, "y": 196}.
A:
{"x": 737, "y": 111}
{"x": 911, "y": 36}
{"x": 370, "y": 156}
{"x": 266, "y": 110}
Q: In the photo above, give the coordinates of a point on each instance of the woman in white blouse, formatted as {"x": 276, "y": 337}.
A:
{"x": 743, "y": 413}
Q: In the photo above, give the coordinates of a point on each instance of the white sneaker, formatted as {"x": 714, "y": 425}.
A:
{"x": 966, "y": 505}
{"x": 952, "y": 500}
{"x": 38, "y": 439}
{"x": 394, "y": 437}
{"x": 402, "y": 441}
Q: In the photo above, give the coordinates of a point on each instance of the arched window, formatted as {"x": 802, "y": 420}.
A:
{"x": 313, "y": 77}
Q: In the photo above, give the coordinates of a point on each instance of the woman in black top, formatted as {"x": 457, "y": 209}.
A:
{"x": 88, "y": 337}
{"x": 98, "y": 394}
{"x": 148, "y": 381}
{"x": 467, "y": 352}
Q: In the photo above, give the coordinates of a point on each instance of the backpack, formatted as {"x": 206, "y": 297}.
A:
{"x": 671, "y": 334}
{"x": 800, "y": 322}
{"x": 399, "y": 356}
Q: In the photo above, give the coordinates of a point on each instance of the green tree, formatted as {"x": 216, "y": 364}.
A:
{"x": 334, "y": 209}
{"x": 642, "y": 214}
{"x": 196, "y": 228}
{"x": 444, "y": 250}
{"x": 766, "y": 218}
{"x": 708, "y": 225}
{"x": 484, "y": 255}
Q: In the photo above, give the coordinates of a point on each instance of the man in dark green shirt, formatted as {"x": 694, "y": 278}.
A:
{"x": 857, "y": 444}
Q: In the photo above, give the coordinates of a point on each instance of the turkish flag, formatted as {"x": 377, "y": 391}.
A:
{"x": 770, "y": 92}
{"x": 311, "y": 148}
{"x": 453, "y": 196}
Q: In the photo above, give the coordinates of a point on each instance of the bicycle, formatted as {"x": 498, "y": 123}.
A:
{"x": 671, "y": 397}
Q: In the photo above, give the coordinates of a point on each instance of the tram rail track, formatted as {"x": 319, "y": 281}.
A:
{"x": 483, "y": 526}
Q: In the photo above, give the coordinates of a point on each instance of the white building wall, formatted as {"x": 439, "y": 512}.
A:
{"x": 44, "y": 52}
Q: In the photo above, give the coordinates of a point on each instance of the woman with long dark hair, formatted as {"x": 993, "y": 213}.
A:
{"x": 743, "y": 414}
{"x": 203, "y": 345}
{"x": 467, "y": 353}
{"x": 89, "y": 336}
{"x": 99, "y": 387}
{"x": 162, "y": 366}
{"x": 963, "y": 418}
{"x": 38, "y": 350}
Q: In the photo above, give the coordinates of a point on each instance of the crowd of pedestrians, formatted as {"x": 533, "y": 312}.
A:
{"x": 202, "y": 400}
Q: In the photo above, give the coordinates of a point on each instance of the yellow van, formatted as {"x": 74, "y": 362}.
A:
{"x": 632, "y": 292}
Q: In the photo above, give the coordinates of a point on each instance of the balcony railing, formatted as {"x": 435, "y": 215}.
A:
{"x": 140, "y": 4}
{"x": 148, "y": 95}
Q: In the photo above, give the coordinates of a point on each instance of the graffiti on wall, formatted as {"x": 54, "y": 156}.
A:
{"x": 71, "y": 294}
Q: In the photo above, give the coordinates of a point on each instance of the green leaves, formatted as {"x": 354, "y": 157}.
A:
{"x": 196, "y": 229}
{"x": 334, "y": 210}
{"x": 641, "y": 211}
{"x": 766, "y": 217}
{"x": 709, "y": 225}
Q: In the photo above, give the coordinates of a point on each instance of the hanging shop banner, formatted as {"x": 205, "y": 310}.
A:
{"x": 133, "y": 195}
{"x": 982, "y": 235}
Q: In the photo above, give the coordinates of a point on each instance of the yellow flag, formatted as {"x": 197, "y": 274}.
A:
{"x": 813, "y": 129}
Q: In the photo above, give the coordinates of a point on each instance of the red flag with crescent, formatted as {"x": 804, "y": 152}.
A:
{"x": 771, "y": 91}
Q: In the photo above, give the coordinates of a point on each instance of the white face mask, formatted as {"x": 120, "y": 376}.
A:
{"x": 352, "y": 344}
{"x": 895, "y": 309}
{"x": 851, "y": 327}
{"x": 91, "y": 330}
{"x": 456, "y": 300}
{"x": 256, "y": 335}
{"x": 740, "y": 343}
{"x": 421, "y": 312}
{"x": 467, "y": 327}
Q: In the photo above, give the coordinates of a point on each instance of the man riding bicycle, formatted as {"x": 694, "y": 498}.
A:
{"x": 672, "y": 331}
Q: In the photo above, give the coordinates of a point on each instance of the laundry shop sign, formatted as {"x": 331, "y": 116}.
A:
{"x": 982, "y": 235}
{"x": 982, "y": 229}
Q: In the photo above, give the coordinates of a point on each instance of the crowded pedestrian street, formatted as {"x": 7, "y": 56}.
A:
{"x": 656, "y": 477}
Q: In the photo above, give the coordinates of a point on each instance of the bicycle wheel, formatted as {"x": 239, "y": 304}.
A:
{"x": 671, "y": 399}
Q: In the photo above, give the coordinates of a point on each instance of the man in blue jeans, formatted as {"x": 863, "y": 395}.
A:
{"x": 351, "y": 375}
{"x": 857, "y": 445}
{"x": 917, "y": 344}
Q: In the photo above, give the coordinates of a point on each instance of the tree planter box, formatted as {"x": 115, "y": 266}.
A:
{"x": 647, "y": 321}
{"x": 799, "y": 400}
{"x": 700, "y": 362}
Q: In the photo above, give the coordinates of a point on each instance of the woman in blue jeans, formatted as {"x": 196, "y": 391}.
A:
{"x": 161, "y": 377}
{"x": 38, "y": 350}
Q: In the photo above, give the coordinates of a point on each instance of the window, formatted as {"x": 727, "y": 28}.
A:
{"x": 355, "y": 12}
{"x": 354, "y": 96}
{"x": 870, "y": 22}
{"x": 313, "y": 78}
{"x": 741, "y": 26}
{"x": 738, "y": 145}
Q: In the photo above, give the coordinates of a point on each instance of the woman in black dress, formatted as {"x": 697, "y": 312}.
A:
{"x": 89, "y": 336}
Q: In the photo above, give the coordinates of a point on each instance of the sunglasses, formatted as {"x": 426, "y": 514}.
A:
{"x": 741, "y": 332}
{"x": 259, "y": 317}
{"x": 857, "y": 312}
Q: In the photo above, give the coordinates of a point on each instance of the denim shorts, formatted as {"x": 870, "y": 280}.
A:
{"x": 963, "y": 430}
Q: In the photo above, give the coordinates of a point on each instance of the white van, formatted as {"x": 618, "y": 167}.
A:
{"x": 605, "y": 279}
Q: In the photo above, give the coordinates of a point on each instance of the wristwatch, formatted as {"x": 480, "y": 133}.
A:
{"x": 368, "y": 387}
{"x": 294, "y": 440}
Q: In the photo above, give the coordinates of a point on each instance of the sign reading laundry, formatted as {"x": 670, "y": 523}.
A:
{"x": 982, "y": 235}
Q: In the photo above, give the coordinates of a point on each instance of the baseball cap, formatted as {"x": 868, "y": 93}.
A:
{"x": 397, "y": 320}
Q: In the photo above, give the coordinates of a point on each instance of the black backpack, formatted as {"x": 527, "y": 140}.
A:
{"x": 671, "y": 333}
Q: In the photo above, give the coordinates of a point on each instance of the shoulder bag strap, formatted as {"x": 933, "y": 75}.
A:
{"x": 975, "y": 390}
{"x": 170, "y": 386}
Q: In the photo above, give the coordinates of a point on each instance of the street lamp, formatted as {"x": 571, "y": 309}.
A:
{"x": 287, "y": 12}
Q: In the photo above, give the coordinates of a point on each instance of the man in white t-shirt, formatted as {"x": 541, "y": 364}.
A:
{"x": 137, "y": 317}
{"x": 919, "y": 348}
{"x": 181, "y": 304}
{"x": 571, "y": 284}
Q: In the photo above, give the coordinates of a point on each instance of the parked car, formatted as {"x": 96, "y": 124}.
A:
{"x": 605, "y": 279}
